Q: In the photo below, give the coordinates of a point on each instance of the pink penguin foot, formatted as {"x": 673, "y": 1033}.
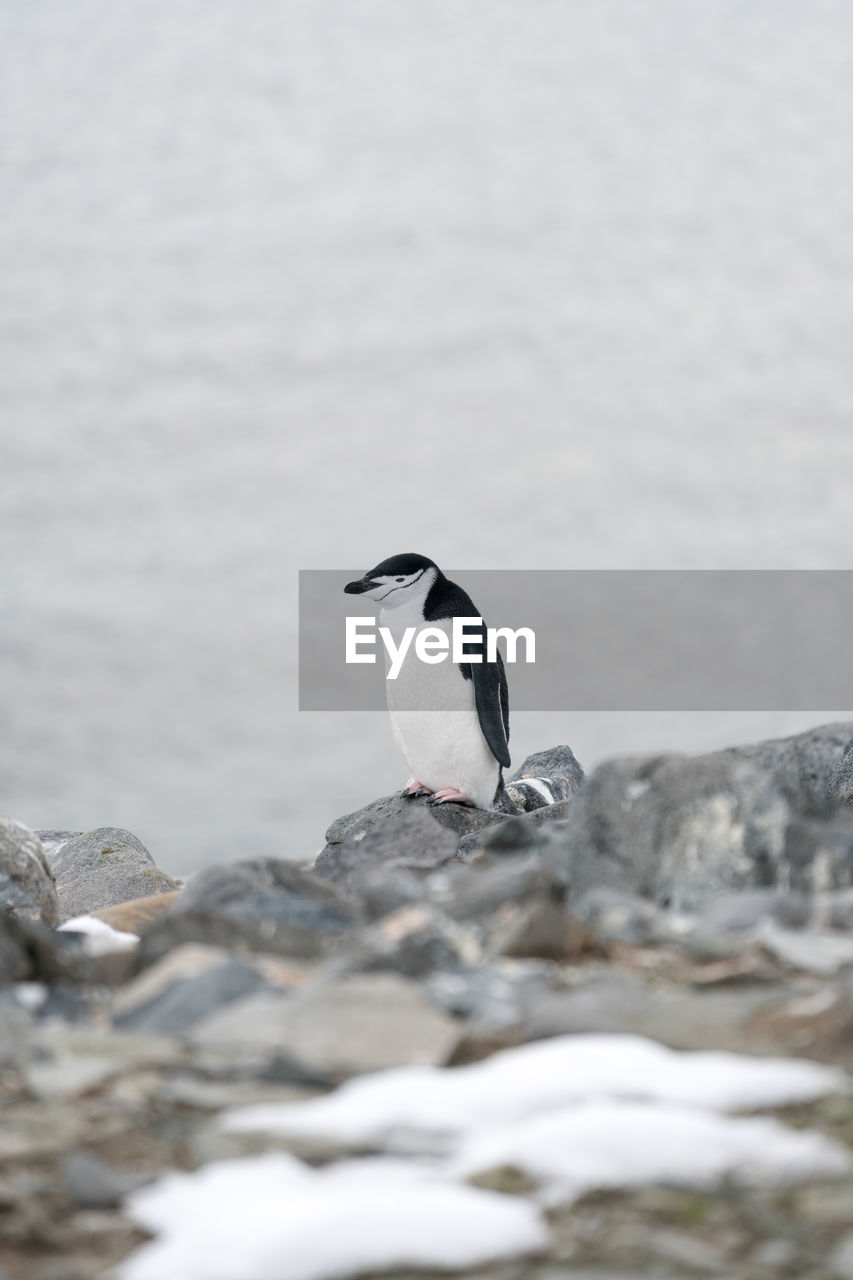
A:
{"x": 450, "y": 794}
{"x": 414, "y": 788}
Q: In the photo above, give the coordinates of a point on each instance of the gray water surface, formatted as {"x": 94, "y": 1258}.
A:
{"x": 289, "y": 285}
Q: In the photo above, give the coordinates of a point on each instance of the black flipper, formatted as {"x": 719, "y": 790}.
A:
{"x": 491, "y": 695}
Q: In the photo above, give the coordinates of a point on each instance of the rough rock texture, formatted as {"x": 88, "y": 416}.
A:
{"x": 674, "y": 829}
{"x": 840, "y": 787}
{"x": 260, "y": 905}
{"x": 392, "y": 834}
{"x": 27, "y": 885}
{"x": 103, "y": 868}
{"x": 804, "y": 765}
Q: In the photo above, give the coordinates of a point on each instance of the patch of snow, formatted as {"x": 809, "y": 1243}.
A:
{"x": 621, "y": 1144}
{"x": 101, "y": 938}
{"x": 30, "y": 995}
{"x": 444, "y": 1104}
{"x": 270, "y": 1216}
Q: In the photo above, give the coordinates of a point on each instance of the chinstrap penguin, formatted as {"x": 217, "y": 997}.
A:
{"x": 450, "y": 720}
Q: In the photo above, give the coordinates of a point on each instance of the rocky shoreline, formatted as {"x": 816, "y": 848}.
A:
{"x": 698, "y": 904}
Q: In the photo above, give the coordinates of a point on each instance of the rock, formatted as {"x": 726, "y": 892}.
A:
{"x": 33, "y": 952}
{"x": 840, "y": 786}
{"x": 744, "y": 912}
{"x": 92, "y": 1184}
{"x": 15, "y": 1033}
{"x": 819, "y": 853}
{"x": 676, "y": 1015}
{"x": 490, "y": 997}
{"x": 27, "y": 885}
{"x": 835, "y": 910}
{"x": 517, "y": 834}
{"x": 414, "y": 941}
{"x": 804, "y": 765}
{"x": 394, "y": 834}
{"x": 188, "y": 1000}
{"x": 103, "y": 868}
{"x": 341, "y": 1027}
{"x": 545, "y": 777}
{"x": 260, "y": 905}
{"x": 541, "y": 929}
{"x": 611, "y": 916}
{"x": 823, "y": 953}
{"x": 674, "y": 829}
{"x": 841, "y": 1262}
{"x": 474, "y": 890}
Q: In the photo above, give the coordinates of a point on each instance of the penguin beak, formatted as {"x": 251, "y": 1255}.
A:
{"x": 358, "y": 588}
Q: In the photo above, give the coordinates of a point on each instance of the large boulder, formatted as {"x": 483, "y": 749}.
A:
{"x": 27, "y": 885}
{"x": 804, "y": 765}
{"x": 103, "y": 868}
{"x": 674, "y": 829}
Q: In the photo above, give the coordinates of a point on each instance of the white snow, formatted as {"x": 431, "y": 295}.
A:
{"x": 101, "y": 938}
{"x": 619, "y": 1144}
{"x": 273, "y": 1216}
{"x": 442, "y": 1105}
{"x": 574, "y": 1113}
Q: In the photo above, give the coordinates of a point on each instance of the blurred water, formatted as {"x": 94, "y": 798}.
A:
{"x": 289, "y": 284}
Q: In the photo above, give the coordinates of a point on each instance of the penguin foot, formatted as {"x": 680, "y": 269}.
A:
{"x": 413, "y": 789}
{"x": 450, "y": 794}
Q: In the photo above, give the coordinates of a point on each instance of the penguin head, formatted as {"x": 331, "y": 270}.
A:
{"x": 398, "y": 580}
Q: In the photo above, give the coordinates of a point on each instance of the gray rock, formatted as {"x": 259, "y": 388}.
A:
{"x": 386, "y": 887}
{"x": 32, "y": 952}
{"x": 517, "y": 834}
{"x": 15, "y": 1032}
{"x": 540, "y": 929}
{"x": 90, "y": 1183}
{"x": 383, "y": 814}
{"x": 841, "y": 1262}
{"x": 674, "y": 829}
{"x": 490, "y": 997}
{"x": 27, "y": 886}
{"x": 835, "y": 910}
{"x": 545, "y": 777}
{"x": 51, "y": 839}
{"x": 840, "y": 786}
{"x": 191, "y": 999}
{"x": 103, "y": 868}
{"x": 612, "y": 916}
{"x": 743, "y": 912}
{"x": 259, "y": 905}
{"x": 414, "y": 940}
{"x": 821, "y": 953}
{"x": 819, "y": 853}
{"x": 476, "y": 889}
{"x": 363, "y": 1022}
{"x": 804, "y": 765}
{"x": 392, "y": 833}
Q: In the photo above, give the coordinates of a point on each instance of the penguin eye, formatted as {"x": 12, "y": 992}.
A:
{"x": 401, "y": 579}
